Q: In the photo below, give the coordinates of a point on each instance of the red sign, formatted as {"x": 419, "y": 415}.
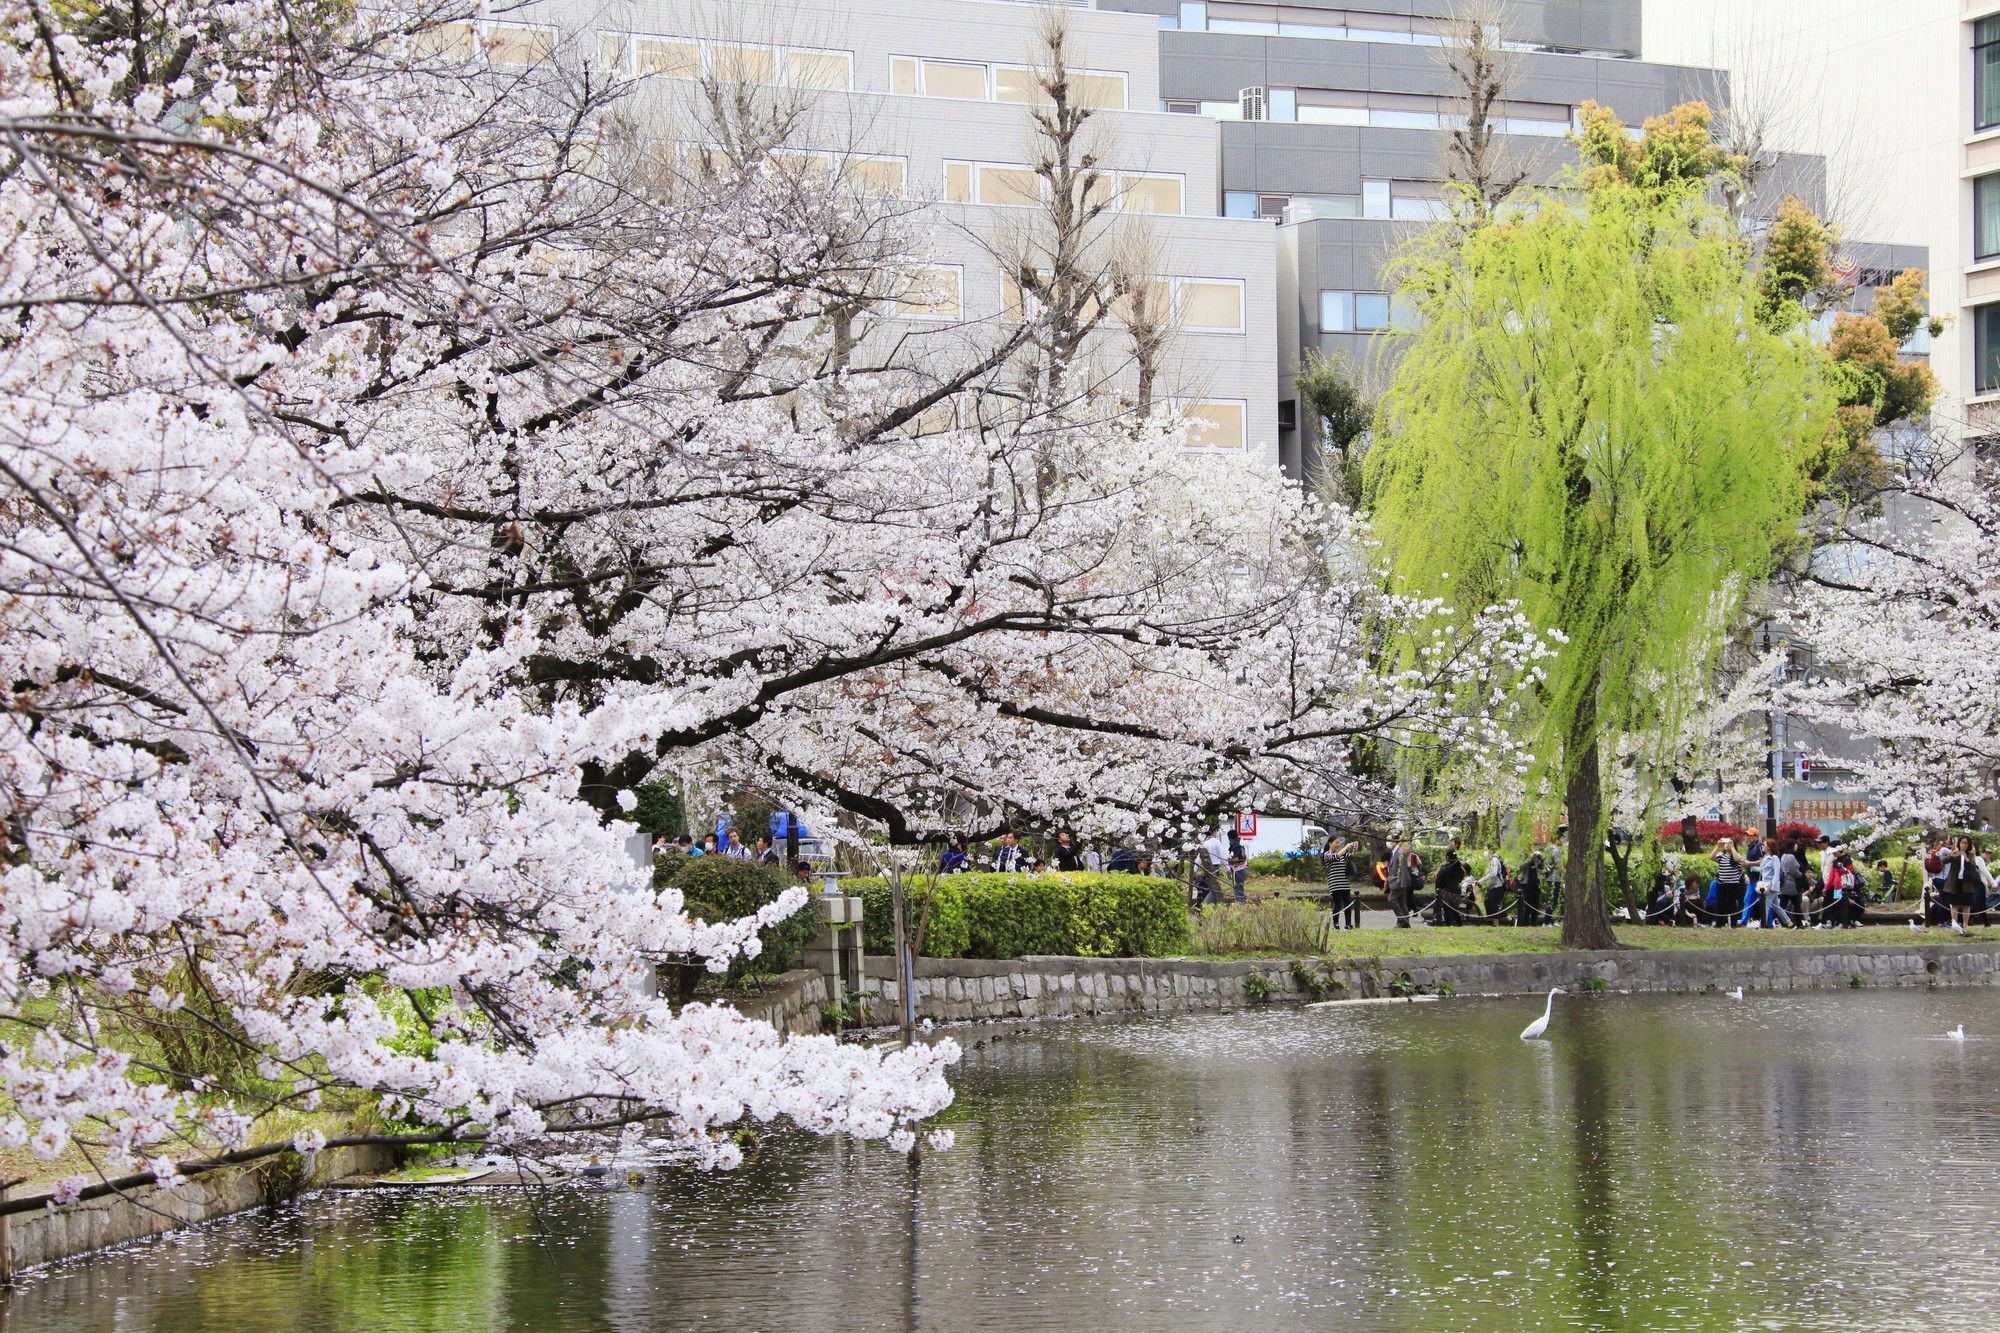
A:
{"x": 1246, "y": 823}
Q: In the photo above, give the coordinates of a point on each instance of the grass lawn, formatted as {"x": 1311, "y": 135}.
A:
{"x": 1452, "y": 941}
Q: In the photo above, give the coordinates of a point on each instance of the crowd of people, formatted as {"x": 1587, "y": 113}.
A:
{"x": 1780, "y": 884}
{"x": 1772, "y": 885}
{"x": 1499, "y": 894}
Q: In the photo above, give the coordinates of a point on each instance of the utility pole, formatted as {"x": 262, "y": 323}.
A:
{"x": 1774, "y": 749}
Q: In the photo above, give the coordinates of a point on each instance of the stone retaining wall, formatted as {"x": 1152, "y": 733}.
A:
{"x": 79, "y": 1228}
{"x": 1057, "y": 987}
{"x": 1042, "y": 987}
{"x": 790, "y": 1002}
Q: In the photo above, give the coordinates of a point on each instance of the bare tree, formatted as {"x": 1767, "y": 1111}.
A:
{"x": 1482, "y": 69}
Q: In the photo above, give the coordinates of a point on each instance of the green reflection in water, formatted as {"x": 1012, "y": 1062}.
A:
{"x": 1794, "y": 1162}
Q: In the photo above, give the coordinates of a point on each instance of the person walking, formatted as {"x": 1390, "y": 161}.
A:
{"x": 1792, "y": 882}
{"x": 767, "y": 855}
{"x": 1528, "y": 892}
{"x": 1770, "y": 876}
{"x": 1342, "y": 902}
{"x": 734, "y": 847}
{"x": 1066, "y": 856}
{"x": 1406, "y": 871}
{"x": 1211, "y": 863}
{"x": 1493, "y": 884}
{"x": 1010, "y": 859}
{"x": 1449, "y": 905}
{"x": 955, "y": 860}
{"x": 1093, "y": 859}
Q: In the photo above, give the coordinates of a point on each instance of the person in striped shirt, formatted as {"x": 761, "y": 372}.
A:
{"x": 1340, "y": 893}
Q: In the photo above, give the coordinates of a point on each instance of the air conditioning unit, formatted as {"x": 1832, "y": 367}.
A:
{"x": 1250, "y": 102}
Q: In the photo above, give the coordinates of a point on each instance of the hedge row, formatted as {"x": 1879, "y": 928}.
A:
{"x": 724, "y": 888}
{"x": 1099, "y": 915}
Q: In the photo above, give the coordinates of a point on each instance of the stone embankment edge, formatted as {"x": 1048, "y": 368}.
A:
{"x": 791, "y": 1003}
{"x": 960, "y": 990}
{"x": 76, "y": 1229}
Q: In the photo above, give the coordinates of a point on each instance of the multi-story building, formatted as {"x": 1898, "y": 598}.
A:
{"x": 930, "y": 101}
{"x": 1332, "y": 116}
{"x": 1215, "y": 119}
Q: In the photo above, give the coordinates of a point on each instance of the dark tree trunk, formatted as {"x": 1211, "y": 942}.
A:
{"x": 1586, "y": 921}
{"x": 1622, "y": 862}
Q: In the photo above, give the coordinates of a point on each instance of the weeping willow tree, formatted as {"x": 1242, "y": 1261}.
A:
{"x": 1592, "y": 421}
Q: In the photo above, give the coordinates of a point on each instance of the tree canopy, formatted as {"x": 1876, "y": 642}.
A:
{"x": 1593, "y": 421}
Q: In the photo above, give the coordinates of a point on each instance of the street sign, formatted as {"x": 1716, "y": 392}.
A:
{"x": 1246, "y": 823}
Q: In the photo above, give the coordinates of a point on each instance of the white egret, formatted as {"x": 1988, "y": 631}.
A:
{"x": 1736, "y": 994}
{"x": 1540, "y": 1025}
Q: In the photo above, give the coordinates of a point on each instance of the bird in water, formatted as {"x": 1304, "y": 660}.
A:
{"x": 1956, "y": 1034}
{"x": 1540, "y": 1025}
{"x": 1736, "y": 994}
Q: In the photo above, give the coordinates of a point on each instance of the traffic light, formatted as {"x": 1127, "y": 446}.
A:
{"x": 1805, "y": 768}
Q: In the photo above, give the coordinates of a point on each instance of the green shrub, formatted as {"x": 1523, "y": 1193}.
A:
{"x": 1255, "y": 989}
{"x": 1305, "y": 868}
{"x": 1910, "y": 879}
{"x": 1092, "y": 915}
{"x": 1270, "y": 925}
{"x": 723, "y": 888}
{"x": 1701, "y": 863}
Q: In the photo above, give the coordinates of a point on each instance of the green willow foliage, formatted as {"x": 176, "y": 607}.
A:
{"x": 1592, "y": 421}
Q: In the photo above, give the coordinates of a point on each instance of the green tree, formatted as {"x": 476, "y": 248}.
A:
{"x": 1593, "y": 422}
{"x": 1331, "y": 392}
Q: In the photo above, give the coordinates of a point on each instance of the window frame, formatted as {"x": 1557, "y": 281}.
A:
{"x": 1989, "y": 183}
{"x": 897, "y": 310}
{"x": 1122, "y": 180}
{"x": 1986, "y": 349}
{"x": 990, "y": 75}
{"x": 1242, "y": 407}
{"x": 1242, "y": 306}
{"x": 486, "y": 31}
{"x": 1980, "y": 73}
{"x": 628, "y": 42}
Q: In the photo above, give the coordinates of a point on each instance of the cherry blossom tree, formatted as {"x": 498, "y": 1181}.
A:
{"x": 415, "y": 436}
{"x": 1902, "y": 613}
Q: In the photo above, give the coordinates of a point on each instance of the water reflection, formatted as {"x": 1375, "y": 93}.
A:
{"x": 1792, "y": 1162}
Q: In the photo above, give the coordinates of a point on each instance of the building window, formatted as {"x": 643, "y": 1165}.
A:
{"x": 500, "y": 43}
{"x": 991, "y": 183}
{"x": 668, "y": 58}
{"x": 1216, "y": 423}
{"x": 1340, "y": 106}
{"x": 1986, "y": 217}
{"x": 1209, "y": 305}
{"x": 1148, "y": 193}
{"x": 879, "y": 177}
{"x": 518, "y": 44}
{"x": 930, "y": 292}
{"x": 1364, "y": 312}
{"x": 1239, "y": 204}
{"x": 832, "y": 71}
{"x": 729, "y": 62}
{"x": 1986, "y": 348}
{"x": 1986, "y": 74}
{"x": 913, "y": 75}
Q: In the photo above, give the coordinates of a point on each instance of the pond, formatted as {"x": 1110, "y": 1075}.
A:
{"x": 1802, "y": 1161}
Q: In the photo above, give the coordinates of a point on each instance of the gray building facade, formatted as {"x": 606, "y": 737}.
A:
{"x": 1332, "y": 117}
